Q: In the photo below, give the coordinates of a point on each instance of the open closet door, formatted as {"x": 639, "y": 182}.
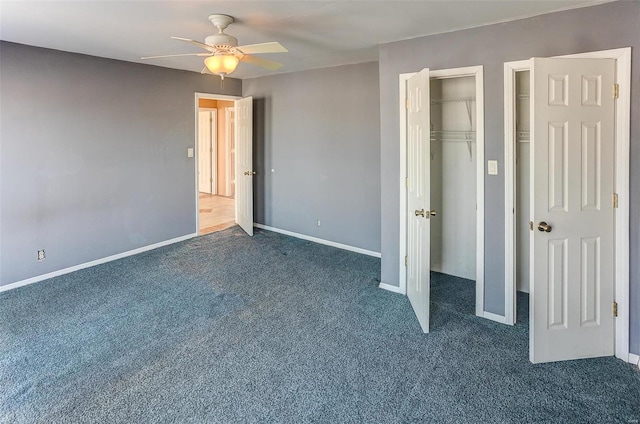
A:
{"x": 572, "y": 260}
{"x": 418, "y": 196}
{"x": 244, "y": 163}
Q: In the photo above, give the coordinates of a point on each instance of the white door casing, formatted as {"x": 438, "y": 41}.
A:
{"x": 572, "y": 269}
{"x": 244, "y": 163}
{"x": 205, "y": 158}
{"x": 229, "y": 152}
{"x": 418, "y": 196}
{"x": 477, "y": 73}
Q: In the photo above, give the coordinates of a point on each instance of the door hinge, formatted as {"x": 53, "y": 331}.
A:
{"x": 406, "y": 260}
{"x": 615, "y": 309}
{"x": 406, "y": 183}
{"x": 615, "y": 200}
{"x": 211, "y": 179}
{"x": 616, "y": 91}
{"x": 406, "y": 103}
{"x": 531, "y": 225}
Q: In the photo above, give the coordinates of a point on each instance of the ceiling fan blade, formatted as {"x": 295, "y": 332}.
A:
{"x": 264, "y": 63}
{"x": 176, "y": 55}
{"x": 272, "y": 47}
{"x": 205, "y": 71}
{"x": 196, "y": 43}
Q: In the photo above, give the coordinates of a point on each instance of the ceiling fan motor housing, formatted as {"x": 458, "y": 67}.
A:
{"x": 221, "y": 40}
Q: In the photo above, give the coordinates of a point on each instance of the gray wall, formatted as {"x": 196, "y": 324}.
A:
{"x": 93, "y": 157}
{"x": 607, "y": 26}
{"x": 319, "y": 133}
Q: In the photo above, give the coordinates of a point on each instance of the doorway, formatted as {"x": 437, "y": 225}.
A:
{"x": 216, "y": 163}
{"x": 442, "y": 205}
{"x": 519, "y": 144}
{"x": 232, "y": 193}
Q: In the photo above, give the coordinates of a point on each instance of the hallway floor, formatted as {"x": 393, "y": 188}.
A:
{"x": 216, "y": 213}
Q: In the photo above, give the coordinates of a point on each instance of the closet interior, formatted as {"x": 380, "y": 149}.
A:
{"x": 522, "y": 171}
{"x": 453, "y": 176}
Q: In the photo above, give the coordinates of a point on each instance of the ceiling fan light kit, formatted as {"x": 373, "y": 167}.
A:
{"x": 221, "y": 64}
{"x": 224, "y": 54}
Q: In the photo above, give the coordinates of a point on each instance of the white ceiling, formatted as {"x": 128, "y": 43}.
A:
{"x": 317, "y": 33}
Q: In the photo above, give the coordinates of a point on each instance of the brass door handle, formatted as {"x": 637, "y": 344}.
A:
{"x": 544, "y": 227}
{"x": 420, "y": 212}
{"x": 432, "y": 212}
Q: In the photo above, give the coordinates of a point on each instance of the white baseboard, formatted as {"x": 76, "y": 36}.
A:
{"x": 93, "y": 263}
{"x": 319, "y": 240}
{"x": 391, "y": 288}
{"x": 494, "y": 317}
{"x": 634, "y": 359}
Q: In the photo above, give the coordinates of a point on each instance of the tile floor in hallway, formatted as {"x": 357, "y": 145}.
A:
{"x": 216, "y": 213}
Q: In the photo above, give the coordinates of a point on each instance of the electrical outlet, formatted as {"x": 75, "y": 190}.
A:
{"x": 318, "y": 223}
{"x": 41, "y": 256}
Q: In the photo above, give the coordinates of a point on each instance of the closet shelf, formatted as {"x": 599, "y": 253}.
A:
{"x": 452, "y": 99}
{"x": 453, "y": 135}
{"x": 467, "y": 136}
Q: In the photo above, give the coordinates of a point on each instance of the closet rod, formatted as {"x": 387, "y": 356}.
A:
{"x": 443, "y": 134}
{"x": 453, "y": 99}
{"x": 466, "y": 136}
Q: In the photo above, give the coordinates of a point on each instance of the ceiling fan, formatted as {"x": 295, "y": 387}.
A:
{"x": 223, "y": 53}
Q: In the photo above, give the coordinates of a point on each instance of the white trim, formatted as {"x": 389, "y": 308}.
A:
{"x": 94, "y": 263}
{"x": 403, "y": 78}
{"x": 227, "y": 143}
{"x": 494, "y": 317}
{"x": 389, "y": 287}
{"x": 634, "y": 359}
{"x": 477, "y": 72}
{"x": 622, "y": 130}
{"x": 510, "y": 69}
{"x": 214, "y": 151}
{"x": 197, "y": 98}
{"x": 214, "y": 134}
{"x": 319, "y": 240}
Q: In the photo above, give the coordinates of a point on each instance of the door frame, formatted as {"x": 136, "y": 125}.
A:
{"x": 214, "y": 152}
{"x": 477, "y": 73}
{"x": 622, "y": 57}
{"x": 227, "y": 142}
{"x": 197, "y": 98}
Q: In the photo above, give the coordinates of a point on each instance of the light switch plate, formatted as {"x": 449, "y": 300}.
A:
{"x": 190, "y": 152}
{"x": 492, "y": 167}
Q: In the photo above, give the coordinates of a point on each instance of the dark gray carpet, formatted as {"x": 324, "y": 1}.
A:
{"x": 226, "y": 329}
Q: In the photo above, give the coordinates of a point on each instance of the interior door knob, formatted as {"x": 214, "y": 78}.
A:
{"x": 544, "y": 227}
{"x": 420, "y": 212}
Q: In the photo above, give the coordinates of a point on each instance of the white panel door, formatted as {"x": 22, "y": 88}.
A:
{"x": 205, "y": 175}
{"x": 230, "y": 163}
{"x": 418, "y": 196}
{"x": 572, "y": 255}
{"x": 244, "y": 163}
